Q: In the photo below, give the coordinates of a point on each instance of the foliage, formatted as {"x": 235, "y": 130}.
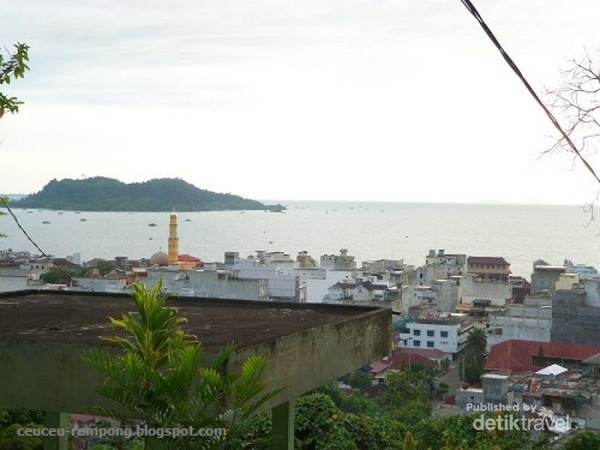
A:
{"x": 56, "y": 275}
{"x": 407, "y": 396}
{"x": 159, "y": 377}
{"x": 105, "y": 267}
{"x": 359, "y": 380}
{"x": 320, "y": 424}
{"x": 586, "y": 440}
{"x": 472, "y": 361}
{"x": 107, "y": 194}
{"x": 12, "y": 68}
{"x": 11, "y": 421}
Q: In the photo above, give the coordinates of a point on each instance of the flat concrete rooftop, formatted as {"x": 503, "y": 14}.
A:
{"x": 67, "y": 316}
{"x": 43, "y": 334}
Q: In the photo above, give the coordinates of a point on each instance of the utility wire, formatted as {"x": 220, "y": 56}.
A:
{"x": 42, "y": 252}
{"x": 471, "y": 8}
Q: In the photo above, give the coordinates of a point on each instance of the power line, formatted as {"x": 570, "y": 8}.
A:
{"x": 42, "y": 252}
{"x": 471, "y": 8}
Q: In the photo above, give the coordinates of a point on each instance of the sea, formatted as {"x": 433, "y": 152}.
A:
{"x": 519, "y": 233}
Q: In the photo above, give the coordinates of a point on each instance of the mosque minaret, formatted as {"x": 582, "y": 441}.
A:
{"x": 173, "y": 240}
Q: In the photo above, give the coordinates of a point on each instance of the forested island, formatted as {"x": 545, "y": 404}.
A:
{"x": 107, "y": 194}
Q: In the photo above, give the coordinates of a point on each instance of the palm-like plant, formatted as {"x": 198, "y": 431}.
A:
{"x": 159, "y": 378}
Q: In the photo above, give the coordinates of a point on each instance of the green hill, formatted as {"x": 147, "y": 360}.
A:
{"x": 107, "y": 194}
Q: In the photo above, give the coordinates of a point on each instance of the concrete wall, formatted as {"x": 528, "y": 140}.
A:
{"x": 473, "y": 289}
{"x": 495, "y": 388}
{"x": 574, "y": 321}
{"x": 209, "y": 285}
{"x": 102, "y": 284}
{"x": 52, "y": 376}
{"x": 521, "y": 322}
{"x": 592, "y": 292}
{"x": 10, "y": 282}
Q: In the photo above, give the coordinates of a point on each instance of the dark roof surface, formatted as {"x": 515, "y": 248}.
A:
{"x": 486, "y": 260}
{"x": 75, "y": 317}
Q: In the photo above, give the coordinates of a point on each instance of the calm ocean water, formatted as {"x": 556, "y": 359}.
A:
{"x": 520, "y": 233}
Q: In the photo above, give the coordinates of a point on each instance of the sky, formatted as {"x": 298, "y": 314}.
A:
{"x": 309, "y": 100}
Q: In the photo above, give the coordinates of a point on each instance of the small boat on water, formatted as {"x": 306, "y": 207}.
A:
{"x": 45, "y": 222}
{"x": 152, "y": 224}
{"x": 83, "y": 220}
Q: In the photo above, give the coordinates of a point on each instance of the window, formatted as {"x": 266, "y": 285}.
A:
{"x": 429, "y": 344}
{"x": 417, "y": 332}
{"x": 430, "y": 333}
{"x": 417, "y": 343}
{"x": 444, "y": 334}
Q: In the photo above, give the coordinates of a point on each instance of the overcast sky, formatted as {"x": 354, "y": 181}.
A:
{"x": 315, "y": 100}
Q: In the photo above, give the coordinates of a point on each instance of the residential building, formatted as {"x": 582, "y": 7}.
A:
{"x": 343, "y": 261}
{"x": 361, "y": 291}
{"x": 447, "y": 334}
{"x": 440, "y": 265}
{"x": 488, "y": 267}
{"x": 209, "y": 284}
{"x": 576, "y": 314}
{"x": 530, "y": 322}
{"x": 545, "y": 276}
{"x": 474, "y": 287}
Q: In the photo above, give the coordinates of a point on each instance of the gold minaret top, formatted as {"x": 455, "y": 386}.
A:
{"x": 173, "y": 239}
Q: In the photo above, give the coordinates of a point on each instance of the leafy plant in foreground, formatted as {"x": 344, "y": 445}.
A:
{"x": 160, "y": 379}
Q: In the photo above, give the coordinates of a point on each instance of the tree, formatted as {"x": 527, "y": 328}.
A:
{"x": 11, "y": 421}
{"x": 12, "y": 68}
{"x": 578, "y": 102}
{"x": 586, "y": 440}
{"x": 159, "y": 377}
{"x": 473, "y": 357}
{"x": 105, "y": 267}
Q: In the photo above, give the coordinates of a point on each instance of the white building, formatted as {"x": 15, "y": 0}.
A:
{"x": 445, "y": 334}
{"x": 342, "y": 262}
{"x": 283, "y": 284}
{"x": 114, "y": 285}
{"x": 209, "y": 284}
{"x": 473, "y": 287}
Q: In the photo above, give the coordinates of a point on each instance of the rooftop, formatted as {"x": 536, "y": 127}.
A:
{"x": 305, "y": 345}
{"x": 498, "y": 260}
{"x": 65, "y": 316}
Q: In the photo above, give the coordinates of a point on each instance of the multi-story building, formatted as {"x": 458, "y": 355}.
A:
{"x": 545, "y": 276}
{"x": 441, "y": 265}
{"x": 343, "y": 261}
{"x": 488, "y": 267}
{"x": 447, "y": 334}
{"x": 209, "y": 284}
{"x": 531, "y": 321}
{"x": 473, "y": 288}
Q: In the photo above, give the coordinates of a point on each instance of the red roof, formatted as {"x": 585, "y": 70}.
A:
{"x": 189, "y": 258}
{"x": 405, "y": 356}
{"x": 517, "y": 355}
{"x": 402, "y": 360}
{"x": 379, "y": 366}
{"x": 430, "y": 353}
{"x": 486, "y": 260}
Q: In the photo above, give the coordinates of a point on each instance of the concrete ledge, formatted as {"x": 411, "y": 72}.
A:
{"x": 43, "y": 334}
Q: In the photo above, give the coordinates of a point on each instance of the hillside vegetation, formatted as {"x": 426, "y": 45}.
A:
{"x": 107, "y": 194}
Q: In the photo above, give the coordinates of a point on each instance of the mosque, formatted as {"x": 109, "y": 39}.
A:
{"x": 173, "y": 260}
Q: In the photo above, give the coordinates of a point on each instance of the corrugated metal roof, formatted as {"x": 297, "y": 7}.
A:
{"x": 517, "y": 355}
